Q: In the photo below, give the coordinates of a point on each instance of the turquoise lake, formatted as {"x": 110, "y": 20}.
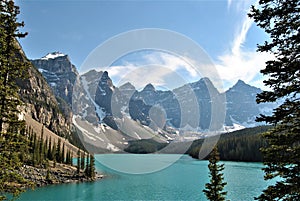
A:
{"x": 182, "y": 180}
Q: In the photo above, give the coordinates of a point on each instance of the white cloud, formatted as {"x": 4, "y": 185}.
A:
{"x": 238, "y": 62}
{"x": 117, "y": 71}
{"x": 241, "y": 36}
{"x": 245, "y": 66}
{"x": 163, "y": 69}
{"x": 158, "y": 68}
{"x": 173, "y": 62}
{"x": 157, "y": 75}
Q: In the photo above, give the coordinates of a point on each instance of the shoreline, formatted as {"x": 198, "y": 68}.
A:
{"x": 60, "y": 174}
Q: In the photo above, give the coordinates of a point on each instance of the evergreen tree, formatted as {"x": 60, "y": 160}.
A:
{"x": 58, "y": 152}
{"x": 71, "y": 158}
{"x": 67, "y": 157}
{"x": 49, "y": 152}
{"x": 24, "y": 149}
{"x": 35, "y": 151}
{"x": 53, "y": 154}
{"x": 30, "y": 137}
{"x": 281, "y": 20}
{"x": 87, "y": 166}
{"x": 45, "y": 151}
{"x": 82, "y": 160}
{"x": 92, "y": 172}
{"x": 63, "y": 154}
{"x": 12, "y": 67}
{"x": 214, "y": 189}
{"x": 48, "y": 176}
{"x": 41, "y": 148}
{"x": 78, "y": 161}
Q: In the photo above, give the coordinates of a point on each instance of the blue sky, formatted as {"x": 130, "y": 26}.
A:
{"x": 77, "y": 27}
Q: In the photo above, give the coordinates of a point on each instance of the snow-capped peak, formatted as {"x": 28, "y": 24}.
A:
{"x": 53, "y": 55}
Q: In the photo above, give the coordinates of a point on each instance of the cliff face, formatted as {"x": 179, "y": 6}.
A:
{"x": 41, "y": 104}
{"x": 59, "y": 73}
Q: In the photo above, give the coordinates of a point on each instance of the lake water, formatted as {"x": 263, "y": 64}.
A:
{"x": 182, "y": 180}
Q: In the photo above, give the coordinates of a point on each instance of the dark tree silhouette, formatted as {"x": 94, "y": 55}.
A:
{"x": 12, "y": 67}
{"x": 281, "y": 20}
{"x": 214, "y": 189}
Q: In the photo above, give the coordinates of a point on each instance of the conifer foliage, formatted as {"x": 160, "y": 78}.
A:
{"x": 18, "y": 145}
{"x": 86, "y": 164}
{"x": 214, "y": 189}
{"x": 281, "y": 20}
{"x": 12, "y": 67}
{"x": 42, "y": 151}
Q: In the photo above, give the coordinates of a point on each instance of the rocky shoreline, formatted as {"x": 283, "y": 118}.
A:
{"x": 59, "y": 174}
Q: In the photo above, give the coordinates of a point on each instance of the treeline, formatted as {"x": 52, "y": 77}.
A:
{"x": 144, "y": 146}
{"x": 42, "y": 150}
{"x": 242, "y": 145}
{"x": 86, "y": 163}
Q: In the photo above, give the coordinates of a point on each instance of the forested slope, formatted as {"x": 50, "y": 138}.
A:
{"x": 242, "y": 145}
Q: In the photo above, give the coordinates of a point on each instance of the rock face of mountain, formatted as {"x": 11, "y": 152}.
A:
{"x": 41, "y": 103}
{"x": 100, "y": 116}
{"x": 241, "y": 105}
{"x": 189, "y": 106}
{"x": 104, "y": 92}
{"x": 108, "y": 116}
{"x": 84, "y": 95}
{"x": 186, "y": 106}
{"x": 150, "y": 97}
{"x": 60, "y": 74}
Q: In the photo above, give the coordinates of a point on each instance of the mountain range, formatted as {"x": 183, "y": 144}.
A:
{"x": 108, "y": 117}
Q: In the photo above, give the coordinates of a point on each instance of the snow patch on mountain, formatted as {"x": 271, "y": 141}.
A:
{"x": 138, "y": 137}
{"x": 247, "y": 124}
{"x": 99, "y": 111}
{"x": 112, "y": 147}
{"x": 94, "y": 135}
{"x": 235, "y": 127}
{"x": 83, "y": 130}
{"x": 53, "y": 55}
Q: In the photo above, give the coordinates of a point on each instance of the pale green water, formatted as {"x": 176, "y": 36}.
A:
{"x": 183, "y": 180}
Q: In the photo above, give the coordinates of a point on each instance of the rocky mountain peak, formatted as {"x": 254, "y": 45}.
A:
{"x": 59, "y": 73}
{"x": 41, "y": 103}
{"x": 241, "y": 104}
{"x": 105, "y": 75}
{"x": 240, "y": 82}
{"x": 55, "y": 62}
{"x": 105, "y": 81}
{"x": 203, "y": 82}
{"x": 127, "y": 86}
{"x": 53, "y": 55}
{"x": 149, "y": 87}
{"x": 242, "y": 87}
{"x": 104, "y": 92}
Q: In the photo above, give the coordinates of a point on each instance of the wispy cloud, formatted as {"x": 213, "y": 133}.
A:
{"x": 167, "y": 70}
{"x": 245, "y": 66}
{"x": 241, "y": 35}
{"x": 160, "y": 76}
{"x": 173, "y": 62}
{"x": 238, "y": 62}
{"x": 161, "y": 69}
